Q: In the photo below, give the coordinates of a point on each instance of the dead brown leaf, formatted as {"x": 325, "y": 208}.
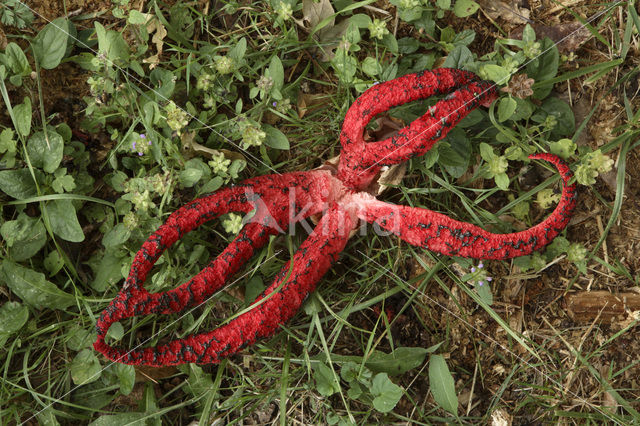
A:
{"x": 511, "y": 12}
{"x": 308, "y": 102}
{"x": 155, "y": 26}
{"x": 153, "y": 374}
{"x": 191, "y": 148}
{"x": 329, "y": 36}
{"x": 569, "y": 35}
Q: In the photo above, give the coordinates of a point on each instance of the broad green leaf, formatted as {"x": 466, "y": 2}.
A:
{"x": 199, "y": 382}
{"x": 80, "y": 338}
{"x": 496, "y": 73}
{"x": 486, "y": 152}
{"x": 111, "y": 44}
{"x": 502, "y": 181}
{"x": 22, "y": 114}
{"x": 51, "y": 43}
{"x": 53, "y": 262}
{"x": 277, "y": 72}
{"x": 129, "y": 419}
{"x": 106, "y": 269}
{"x": 189, "y": 177}
{"x": 127, "y": 378}
{"x": 64, "y": 221}
{"x": 85, "y": 367}
{"x": 33, "y": 288}
{"x": 238, "y": 51}
{"x": 464, "y": 8}
{"x": 116, "y": 331}
{"x": 544, "y": 67}
{"x": 25, "y": 236}
{"x": 344, "y": 64}
{"x": 116, "y": 236}
{"x": 253, "y": 289}
{"x": 165, "y": 83}
{"x": 566, "y": 122}
{"x": 213, "y": 185}
{"x": 136, "y": 18}
{"x": 484, "y": 291}
{"x": 17, "y": 60}
{"x": 456, "y": 153}
{"x": 397, "y": 362}
{"x": 19, "y": 183}
{"x": 13, "y": 315}
{"x": 410, "y": 14}
{"x": 371, "y": 66}
{"x": 506, "y": 108}
{"x": 326, "y": 382}
{"x": 386, "y": 393}
{"x": 442, "y": 384}
{"x": 275, "y": 138}
{"x": 458, "y": 57}
{"x": 46, "y": 156}
{"x": 7, "y": 142}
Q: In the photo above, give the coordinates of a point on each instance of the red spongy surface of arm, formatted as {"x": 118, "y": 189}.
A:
{"x": 276, "y": 305}
{"x": 279, "y": 201}
{"x": 440, "y": 233}
{"x": 361, "y": 161}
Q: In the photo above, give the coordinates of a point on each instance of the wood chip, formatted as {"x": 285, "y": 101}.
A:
{"x": 586, "y": 305}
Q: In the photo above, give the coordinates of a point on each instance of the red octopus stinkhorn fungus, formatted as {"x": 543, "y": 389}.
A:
{"x": 340, "y": 197}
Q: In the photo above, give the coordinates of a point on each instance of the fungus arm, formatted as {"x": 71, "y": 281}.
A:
{"x": 275, "y": 306}
{"x": 437, "y": 232}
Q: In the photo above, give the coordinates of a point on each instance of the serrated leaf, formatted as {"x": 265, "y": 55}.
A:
{"x": 442, "y": 384}
{"x": 85, "y": 367}
{"x": 64, "y": 220}
{"x": 50, "y": 44}
{"x": 33, "y": 288}
{"x": 44, "y": 154}
{"x": 18, "y": 183}
{"x": 13, "y": 315}
{"x": 386, "y": 393}
{"x": 275, "y": 138}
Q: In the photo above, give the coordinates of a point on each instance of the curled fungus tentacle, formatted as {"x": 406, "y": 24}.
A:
{"x": 340, "y": 198}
